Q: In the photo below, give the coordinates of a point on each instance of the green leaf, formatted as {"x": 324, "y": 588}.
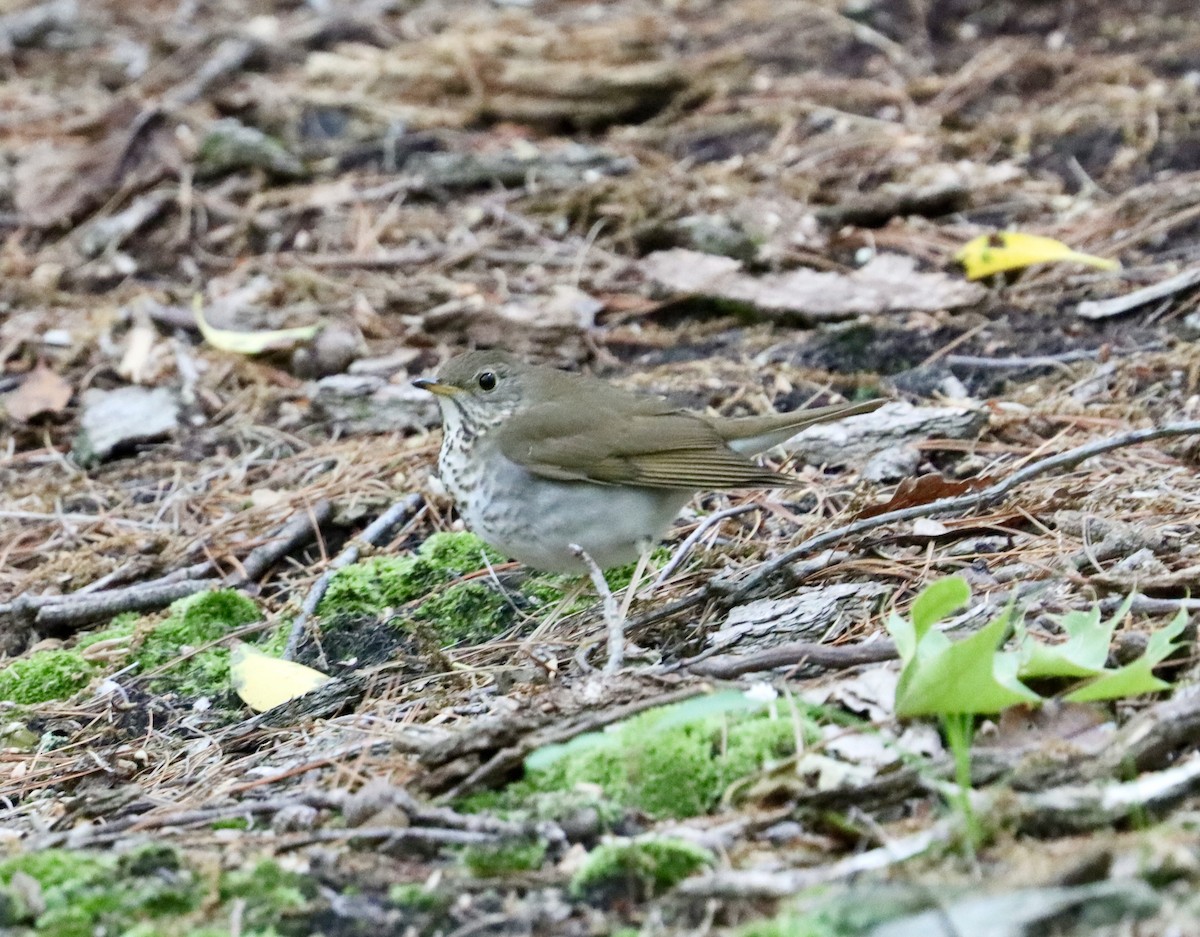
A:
{"x": 937, "y": 601}
{"x": 901, "y": 630}
{"x": 1083, "y": 653}
{"x": 966, "y": 676}
{"x": 1136, "y": 677}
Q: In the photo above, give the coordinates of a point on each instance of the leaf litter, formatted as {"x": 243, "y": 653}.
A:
{"x": 500, "y": 174}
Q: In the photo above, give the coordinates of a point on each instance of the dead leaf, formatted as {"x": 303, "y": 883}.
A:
{"x": 264, "y": 682}
{"x": 990, "y": 254}
{"x": 42, "y": 391}
{"x": 871, "y": 692}
{"x": 924, "y": 489}
{"x": 887, "y": 283}
{"x": 250, "y": 343}
{"x": 1084, "y": 726}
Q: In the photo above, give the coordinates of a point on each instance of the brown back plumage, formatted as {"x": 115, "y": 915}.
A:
{"x": 571, "y": 427}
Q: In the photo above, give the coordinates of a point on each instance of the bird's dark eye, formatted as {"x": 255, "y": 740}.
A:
{"x": 487, "y": 380}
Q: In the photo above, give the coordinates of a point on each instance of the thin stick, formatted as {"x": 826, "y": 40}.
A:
{"x": 1103, "y": 308}
{"x": 682, "y": 551}
{"x": 793, "y": 654}
{"x": 304, "y": 527}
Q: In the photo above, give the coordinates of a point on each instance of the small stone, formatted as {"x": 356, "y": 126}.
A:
{"x": 334, "y": 349}
{"x": 122, "y": 417}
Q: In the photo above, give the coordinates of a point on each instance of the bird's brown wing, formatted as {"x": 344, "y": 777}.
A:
{"x": 651, "y": 445}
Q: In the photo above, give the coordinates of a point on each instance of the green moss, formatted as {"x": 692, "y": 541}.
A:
{"x": 149, "y": 860}
{"x": 675, "y": 761}
{"x": 385, "y": 582}
{"x": 546, "y": 589}
{"x": 16, "y": 735}
{"x": 557, "y": 806}
{"x": 45, "y": 675}
{"x": 147, "y": 892}
{"x": 268, "y": 891}
{"x": 53, "y": 868}
{"x": 457, "y": 553}
{"x": 755, "y": 742}
{"x": 788, "y": 925}
{"x": 275, "y": 642}
{"x": 192, "y": 622}
{"x": 123, "y": 626}
{"x": 638, "y": 868}
{"x": 491, "y": 861}
{"x": 83, "y": 894}
{"x": 460, "y": 612}
{"x": 466, "y": 613}
{"x": 230, "y": 145}
{"x": 416, "y": 897}
{"x": 368, "y": 587}
{"x": 230, "y": 823}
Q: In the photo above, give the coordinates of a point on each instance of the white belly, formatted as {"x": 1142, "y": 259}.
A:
{"x": 538, "y": 525}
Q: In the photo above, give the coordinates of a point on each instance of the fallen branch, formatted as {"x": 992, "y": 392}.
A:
{"x": 794, "y": 654}
{"x": 390, "y": 836}
{"x": 1080, "y": 807}
{"x": 75, "y": 612}
{"x": 301, "y": 530}
{"x": 113, "y": 831}
{"x": 435, "y": 825}
{"x": 56, "y": 612}
{"x": 1153, "y": 738}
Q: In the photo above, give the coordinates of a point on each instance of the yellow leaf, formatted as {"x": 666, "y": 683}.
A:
{"x": 250, "y": 343}
{"x": 263, "y": 681}
{"x": 1012, "y": 250}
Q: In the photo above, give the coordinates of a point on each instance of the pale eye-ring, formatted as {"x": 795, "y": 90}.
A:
{"x": 487, "y": 380}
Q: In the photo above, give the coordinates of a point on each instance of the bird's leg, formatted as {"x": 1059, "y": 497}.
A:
{"x": 612, "y": 612}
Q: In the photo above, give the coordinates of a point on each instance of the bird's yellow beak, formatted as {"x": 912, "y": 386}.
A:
{"x": 442, "y": 390}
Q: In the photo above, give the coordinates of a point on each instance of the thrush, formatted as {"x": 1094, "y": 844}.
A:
{"x": 568, "y": 473}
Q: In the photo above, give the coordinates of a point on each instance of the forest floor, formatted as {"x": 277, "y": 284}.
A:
{"x": 740, "y": 205}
